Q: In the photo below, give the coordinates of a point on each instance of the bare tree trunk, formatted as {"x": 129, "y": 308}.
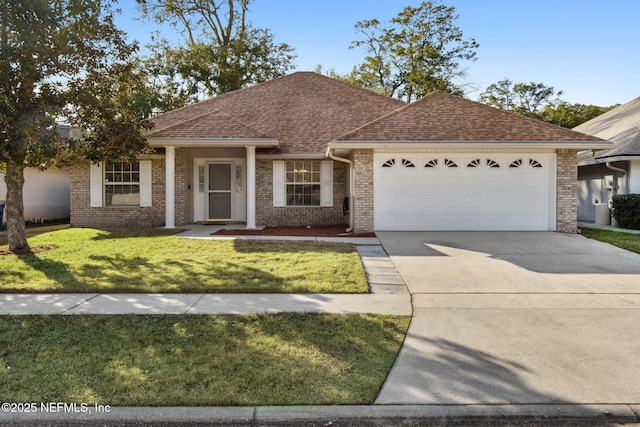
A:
{"x": 15, "y": 206}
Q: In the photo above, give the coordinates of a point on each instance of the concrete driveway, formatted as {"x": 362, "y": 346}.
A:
{"x": 516, "y": 318}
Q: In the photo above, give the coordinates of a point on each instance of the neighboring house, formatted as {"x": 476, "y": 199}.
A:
{"x": 297, "y": 149}
{"x": 45, "y": 194}
{"x": 603, "y": 174}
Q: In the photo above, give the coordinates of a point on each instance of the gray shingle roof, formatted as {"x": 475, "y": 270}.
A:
{"x": 304, "y": 111}
{"x": 203, "y": 126}
{"x": 442, "y": 117}
{"x": 620, "y": 126}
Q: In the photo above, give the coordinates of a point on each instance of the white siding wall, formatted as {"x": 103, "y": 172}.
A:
{"x": 46, "y": 194}
{"x": 634, "y": 176}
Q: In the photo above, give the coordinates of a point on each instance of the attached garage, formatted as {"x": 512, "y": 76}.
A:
{"x": 448, "y": 163}
{"x": 464, "y": 191}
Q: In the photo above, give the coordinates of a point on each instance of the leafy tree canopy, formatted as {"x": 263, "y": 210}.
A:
{"x": 524, "y": 98}
{"x": 571, "y": 115}
{"x": 220, "y": 52}
{"x": 63, "y": 61}
{"x": 539, "y": 101}
{"x": 421, "y": 50}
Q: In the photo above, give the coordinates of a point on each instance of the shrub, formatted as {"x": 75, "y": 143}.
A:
{"x": 626, "y": 210}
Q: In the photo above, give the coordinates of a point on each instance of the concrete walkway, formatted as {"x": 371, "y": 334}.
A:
{"x": 398, "y": 304}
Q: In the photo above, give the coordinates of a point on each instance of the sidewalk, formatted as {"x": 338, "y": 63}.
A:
{"x": 68, "y": 304}
{"x": 388, "y": 293}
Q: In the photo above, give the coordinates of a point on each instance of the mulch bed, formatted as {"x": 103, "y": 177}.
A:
{"x": 328, "y": 231}
{"x": 32, "y": 250}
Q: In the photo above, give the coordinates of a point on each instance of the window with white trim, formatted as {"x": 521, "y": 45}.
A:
{"x": 302, "y": 183}
{"x": 121, "y": 184}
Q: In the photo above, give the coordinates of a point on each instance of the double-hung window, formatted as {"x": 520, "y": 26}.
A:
{"x": 121, "y": 184}
{"x": 303, "y": 183}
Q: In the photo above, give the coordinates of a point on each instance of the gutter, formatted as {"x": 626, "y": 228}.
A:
{"x": 601, "y": 160}
{"x": 213, "y": 142}
{"x": 350, "y": 163}
{"x": 613, "y": 168}
{"x": 401, "y": 145}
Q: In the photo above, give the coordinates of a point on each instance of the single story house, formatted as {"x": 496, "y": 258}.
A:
{"x": 305, "y": 149}
{"x": 605, "y": 173}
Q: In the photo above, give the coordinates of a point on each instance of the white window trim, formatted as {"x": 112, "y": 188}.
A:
{"x": 280, "y": 184}
{"x": 97, "y": 184}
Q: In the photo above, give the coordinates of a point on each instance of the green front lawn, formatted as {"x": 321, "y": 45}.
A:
{"x": 150, "y": 261}
{"x": 283, "y": 359}
{"x": 628, "y": 241}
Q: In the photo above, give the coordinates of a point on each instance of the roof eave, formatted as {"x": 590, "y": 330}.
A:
{"x": 213, "y": 142}
{"x": 601, "y": 160}
{"x": 574, "y": 145}
{"x": 309, "y": 155}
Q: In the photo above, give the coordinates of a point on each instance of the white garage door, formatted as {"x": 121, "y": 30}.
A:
{"x": 464, "y": 191}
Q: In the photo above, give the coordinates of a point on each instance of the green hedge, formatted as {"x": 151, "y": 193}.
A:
{"x": 626, "y": 210}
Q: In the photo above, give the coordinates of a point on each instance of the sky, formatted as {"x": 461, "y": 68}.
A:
{"x": 589, "y": 49}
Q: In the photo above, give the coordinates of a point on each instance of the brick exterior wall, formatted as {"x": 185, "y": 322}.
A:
{"x": 363, "y": 191}
{"x": 83, "y": 215}
{"x": 567, "y": 191}
{"x": 268, "y": 215}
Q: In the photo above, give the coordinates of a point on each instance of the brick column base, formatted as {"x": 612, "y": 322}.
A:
{"x": 363, "y": 191}
{"x": 567, "y": 191}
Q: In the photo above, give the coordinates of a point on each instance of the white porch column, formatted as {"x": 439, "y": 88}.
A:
{"x": 251, "y": 186}
{"x": 170, "y": 187}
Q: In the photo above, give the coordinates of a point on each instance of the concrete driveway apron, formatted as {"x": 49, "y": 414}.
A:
{"x": 516, "y": 318}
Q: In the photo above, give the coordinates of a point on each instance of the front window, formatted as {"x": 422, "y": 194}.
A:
{"x": 303, "y": 183}
{"x": 122, "y": 184}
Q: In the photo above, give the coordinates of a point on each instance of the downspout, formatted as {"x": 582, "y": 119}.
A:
{"x": 350, "y": 163}
{"x": 613, "y": 168}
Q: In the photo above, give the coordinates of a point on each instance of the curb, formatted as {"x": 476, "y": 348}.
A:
{"x": 375, "y": 415}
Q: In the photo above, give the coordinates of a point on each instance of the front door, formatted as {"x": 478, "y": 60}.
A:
{"x": 219, "y": 191}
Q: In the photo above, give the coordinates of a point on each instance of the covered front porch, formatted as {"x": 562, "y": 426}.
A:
{"x": 215, "y": 183}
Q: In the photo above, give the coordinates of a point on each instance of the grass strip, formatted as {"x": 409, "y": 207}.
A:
{"x": 150, "y": 261}
{"x": 628, "y": 241}
{"x": 283, "y": 359}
